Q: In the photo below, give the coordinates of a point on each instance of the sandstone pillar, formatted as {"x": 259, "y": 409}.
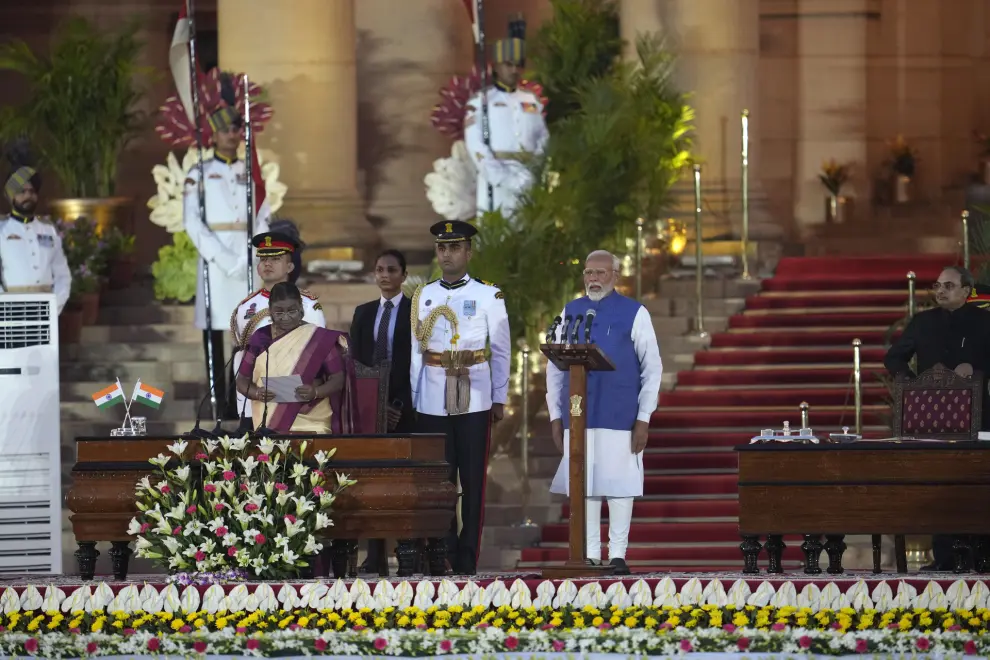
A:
{"x": 303, "y": 53}
{"x": 717, "y": 44}
{"x": 831, "y": 103}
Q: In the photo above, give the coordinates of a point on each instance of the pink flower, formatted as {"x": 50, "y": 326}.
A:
{"x": 221, "y": 531}
{"x": 200, "y": 646}
{"x": 380, "y": 643}
{"x": 446, "y": 645}
{"x": 153, "y": 644}
{"x": 729, "y": 628}
{"x": 778, "y": 627}
{"x": 91, "y": 648}
{"x": 666, "y": 626}
{"x": 547, "y": 626}
{"x": 482, "y": 625}
{"x": 200, "y": 456}
{"x": 252, "y": 644}
{"x": 31, "y": 645}
{"x": 75, "y": 631}
{"x": 923, "y": 644}
{"x": 263, "y": 458}
{"x": 250, "y": 507}
{"x": 128, "y": 631}
{"x": 244, "y": 488}
{"x": 558, "y": 645}
{"x": 210, "y": 488}
{"x": 229, "y": 476}
{"x": 605, "y": 626}
{"x": 742, "y": 643}
{"x": 357, "y": 628}
{"x": 511, "y": 642}
{"x": 145, "y": 527}
{"x": 241, "y": 630}
{"x": 294, "y": 626}
{"x": 320, "y": 645}
{"x": 191, "y": 509}
{"x": 290, "y": 518}
{"x": 861, "y": 646}
{"x": 166, "y": 490}
{"x": 281, "y": 486}
{"x": 318, "y": 473}
{"x": 186, "y": 629}
{"x": 231, "y": 551}
{"x": 893, "y": 626}
{"x": 176, "y": 531}
{"x": 955, "y": 628}
{"x": 804, "y": 642}
{"x": 836, "y": 625}
{"x": 969, "y": 648}
{"x": 317, "y": 490}
{"x": 260, "y": 539}
{"x": 218, "y": 507}
{"x": 686, "y": 645}
{"x": 200, "y": 555}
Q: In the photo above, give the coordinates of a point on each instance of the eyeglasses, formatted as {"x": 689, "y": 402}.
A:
{"x": 288, "y": 314}
{"x": 948, "y": 286}
{"x": 597, "y": 272}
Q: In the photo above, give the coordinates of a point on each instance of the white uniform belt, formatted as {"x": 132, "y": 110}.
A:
{"x": 229, "y": 226}
{"x": 34, "y": 288}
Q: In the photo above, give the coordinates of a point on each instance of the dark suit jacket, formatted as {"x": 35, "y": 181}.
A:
{"x": 362, "y": 339}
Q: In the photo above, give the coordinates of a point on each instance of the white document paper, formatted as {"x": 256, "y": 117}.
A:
{"x": 284, "y": 387}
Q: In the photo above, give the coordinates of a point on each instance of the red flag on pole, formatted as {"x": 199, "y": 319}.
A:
{"x": 260, "y": 194}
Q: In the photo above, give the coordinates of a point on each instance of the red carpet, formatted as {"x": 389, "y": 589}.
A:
{"x": 792, "y": 343}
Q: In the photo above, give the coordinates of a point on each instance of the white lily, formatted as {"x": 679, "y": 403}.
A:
{"x": 249, "y": 464}
{"x": 172, "y": 544}
{"x": 266, "y": 445}
{"x": 178, "y": 447}
{"x": 134, "y": 527}
{"x": 144, "y": 483}
{"x": 322, "y": 457}
{"x": 238, "y": 444}
{"x": 322, "y": 521}
{"x": 209, "y": 445}
{"x": 293, "y": 528}
{"x": 312, "y": 547}
{"x": 182, "y": 474}
{"x": 161, "y": 460}
{"x": 289, "y": 556}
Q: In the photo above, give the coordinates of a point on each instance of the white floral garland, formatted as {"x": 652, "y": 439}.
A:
{"x": 166, "y": 205}
{"x": 423, "y": 594}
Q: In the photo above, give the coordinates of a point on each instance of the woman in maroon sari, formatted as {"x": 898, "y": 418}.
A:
{"x": 290, "y": 346}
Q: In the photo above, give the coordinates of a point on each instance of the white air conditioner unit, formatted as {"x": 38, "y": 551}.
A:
{"x": 30, "y": 435}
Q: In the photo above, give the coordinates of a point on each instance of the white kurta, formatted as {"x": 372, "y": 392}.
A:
{"x": 612, "y": 469}
{"x": 516, "y": 126}
{"x": 256, "y": 305}
{"x": 31, "y": 255}
{"x": 224, "y": 249}
{"x": 481, "y": 317}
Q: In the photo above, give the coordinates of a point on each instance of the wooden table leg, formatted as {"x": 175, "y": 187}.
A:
{"x": 86, "y": 559}
{"x": 751, "y": 547}
{"x": 835, "y": 546}
{"x": 876, "y": 540}
{"x": 775, "y": 552}
{"x": 120, "y": 555}
{"x": 960, "y": 552}
{"x": 436, "y": 551}
{"x": 406, "y": 551}
{"x": 340, "y": 550}
{"x": 812, "y": 548}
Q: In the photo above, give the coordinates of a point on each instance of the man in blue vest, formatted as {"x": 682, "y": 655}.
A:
{"x": 619, "y": 406}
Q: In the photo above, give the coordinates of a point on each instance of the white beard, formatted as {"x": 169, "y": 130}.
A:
{"x": 595, "y": 296}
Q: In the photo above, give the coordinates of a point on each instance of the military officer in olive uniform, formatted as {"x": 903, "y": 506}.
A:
{"x": 457, "y": 389}
{"x": 31, "y": 256}
{"x": 516, "y": 127}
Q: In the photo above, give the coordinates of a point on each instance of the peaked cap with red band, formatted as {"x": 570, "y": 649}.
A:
{"x": 274, "y": 243}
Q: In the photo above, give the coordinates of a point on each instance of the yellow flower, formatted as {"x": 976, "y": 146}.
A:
{"x": 403, "y": 620}
{"x": 631, "y": 622}
{"x": 674, "y": 621}
{"x": 220, "y": 623}
{"x": 198, "y": 623}
{"x": 597, "y": 621}
{"x": 379, "y": 621}
{"x": 520, "y": 621}
{"x": 739, "y": 620}
{"x": 498, "y": 622}
{"x": 578, "y": 621}
{"x": 119, "y": 625}
{"x": 419, "y": 621}
{"x": 650, "y": 622}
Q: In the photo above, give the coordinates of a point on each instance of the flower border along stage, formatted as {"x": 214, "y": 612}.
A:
{"x": 420, "y": 620}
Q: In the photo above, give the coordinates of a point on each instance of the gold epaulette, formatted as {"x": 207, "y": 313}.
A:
{"x": 309, "y": 295}
{"x": 234, "y": 339}
{"x": 247, "y": 299}
{"x": 485, "y": 282}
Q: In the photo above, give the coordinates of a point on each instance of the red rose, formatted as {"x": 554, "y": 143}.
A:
{"x": 729, "y": 628}
{"x": 231, "y": 551}
{"x": 320, "y": 645}
{"x": 290, "y": 518}
{"x": 263, "y": 458}
{"x": 742, "y": 643}
{"x": 250, "y": 507}
{"x": 861, "y": 646}
{"x": 686, "y": 645}
{"x": 260, "y": 539}
{"x": 252, "y": 644}
{"x": 210, "y": 488}
{"x": 446, "y": 645}
{"x": 511, "y": 642}
{"x": 166, "y": 490}
{"x": 218, "y": 506}
{"x": 200, "y": 555}
{"x": 281, "y": 486}
{"x": 176, "y": 531}
{"x": 153, "y": 644}
{"x": 191, "y": 509}
{"x": 923, "y": 644}
{"x": 31, "y": 645}
{"x": 804, "y": 642}
{"x": 380, "y": 643}
{"x": 200, "y": 646}
{"x": 317, "y": 490}
{"x": 200, "y": 456}
{"x": 221, "y": 531}
{"x": 558, "y": 645}
{"x": 240, "y": 630}
{"x": 778, "y": 627}
{"x": 969, "y": 648}
{"x": 128, "y": 631}
{"x": 244, "y": 488}
{"x": 91, "y": 648}
{"x": 185, "y": 629}
{"x": 145, "y": 527}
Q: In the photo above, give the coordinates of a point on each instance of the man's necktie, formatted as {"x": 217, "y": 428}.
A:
{"x": 381, "y": 343}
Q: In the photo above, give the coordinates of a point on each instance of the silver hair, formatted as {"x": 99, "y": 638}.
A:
{"x": 616, "y": 262}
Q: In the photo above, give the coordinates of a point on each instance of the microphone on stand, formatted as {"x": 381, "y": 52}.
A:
{"x": 588, "y": 320}
{"x": 218, "y": 430}
{"x": 263, "y": 431}
{"x": 577, "y": 328}
{"x": 552, "y": 330}
{"x": 245, "y": 425}
{"x": 567, "y": 326}
{"x": 198, "y": 432}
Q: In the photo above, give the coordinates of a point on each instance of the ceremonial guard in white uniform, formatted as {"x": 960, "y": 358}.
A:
{"x": 224, "y": 243}
{"x": 278, "y": 256}
{"x": 516, "y": 127}
{"x": 31, "y": 256}
{"x": 457, "y": 388}
{"x": 618, "y": 405}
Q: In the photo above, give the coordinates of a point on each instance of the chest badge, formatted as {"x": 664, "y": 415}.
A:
{"x": 242, "y": 179}
{"x": 15, "y": 237}
{"x": 46, "y": 241}
{"x": 470, "y": 308}
{"x": 251, "y": 310}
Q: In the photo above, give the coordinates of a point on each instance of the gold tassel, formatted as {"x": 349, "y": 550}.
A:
{"x": 450, "y": 392}
{"x": 463, "y": 390}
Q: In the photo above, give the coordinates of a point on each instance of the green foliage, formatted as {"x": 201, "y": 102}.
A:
{"x": 175, "y": 270}
{"x": 117, "y": 244}
{"x": 81, "y": 112}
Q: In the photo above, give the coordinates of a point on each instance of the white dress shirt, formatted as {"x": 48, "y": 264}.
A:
{"x": 31, "y": 256}
{"x": 391, "y": 321}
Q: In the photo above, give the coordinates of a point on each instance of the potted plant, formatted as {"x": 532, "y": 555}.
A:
{"x": 833, "y": 176}
{"x": 175, "y": 270}
{"x": 903, "y": 160}
{"x": 85, "y": 254}
{"x": 119, "y": 258}
{"x": 86, "y": 288}
{"x": 81, "y": 111}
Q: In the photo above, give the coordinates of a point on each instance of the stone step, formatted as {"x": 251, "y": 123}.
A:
{"x": 150, "y": 372}
{"x": 181, "y": 315}
{"x": 171, "y": 410}
{"x": 138, "y": 352}
{"x": 674, "y": 326}
{"x": 713, "y": 288}
{"x": 83, "y": 390}
{"x": 687, "y": 306}
{"x": 142, "y": 334}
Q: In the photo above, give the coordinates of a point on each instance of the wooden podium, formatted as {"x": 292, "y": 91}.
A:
{"x": 578, "y": 360}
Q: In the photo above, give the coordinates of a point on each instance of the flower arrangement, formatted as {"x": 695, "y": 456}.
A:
{"x": 903, "y": 157}
{"x": 833, "y": 176}
{"x": 257, "y": 507}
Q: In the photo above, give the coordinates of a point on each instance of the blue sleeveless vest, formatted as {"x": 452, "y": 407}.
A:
{"x": 613, "y": 396}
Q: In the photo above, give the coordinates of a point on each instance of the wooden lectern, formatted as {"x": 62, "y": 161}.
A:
{"x": 578, "y": 360}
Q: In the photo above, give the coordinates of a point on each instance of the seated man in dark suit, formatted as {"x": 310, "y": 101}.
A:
{"x": 381, "y": 332}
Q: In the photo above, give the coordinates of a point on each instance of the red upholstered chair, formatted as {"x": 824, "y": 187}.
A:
{"x": 938, "y": 404}
{"x": 372, "y": 398}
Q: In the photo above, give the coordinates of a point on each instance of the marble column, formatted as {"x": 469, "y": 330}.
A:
{"x": 717, "y": 44}
{"x": 831, "y": 104}
{"x": 303, "y": 53}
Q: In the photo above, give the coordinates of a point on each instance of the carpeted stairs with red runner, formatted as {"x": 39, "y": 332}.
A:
{"x": 791, "y": 343}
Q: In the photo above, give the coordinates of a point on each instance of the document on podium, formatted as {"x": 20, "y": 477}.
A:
{"x": 284, "y": 387}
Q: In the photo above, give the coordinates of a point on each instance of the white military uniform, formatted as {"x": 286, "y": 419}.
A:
{"x": 481, "y": 318}
{"x": 224, "y": 246}
{"x": 516, "y": 128}
{"x": 253, "y": 312}
{"x": 612, "y": 470}
{"x": 32, "y": 259}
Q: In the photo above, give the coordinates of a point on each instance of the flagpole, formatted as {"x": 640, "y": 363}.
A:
{"x": 207, "y": 298}
{"x": 127, "y": 406}
{"x": 482, "y": 57}
{"x": 249, "y": 164}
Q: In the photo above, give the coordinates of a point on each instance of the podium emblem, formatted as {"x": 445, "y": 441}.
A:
{"x": 575, "y": 405}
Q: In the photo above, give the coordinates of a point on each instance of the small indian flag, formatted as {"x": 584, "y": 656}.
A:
{"x": 109, "y": 396}
{"x": 147, "y": 395}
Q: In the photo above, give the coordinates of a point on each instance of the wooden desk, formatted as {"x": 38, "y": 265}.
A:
{"x": 859, "y": 488}
{"x": 402, "y": 492}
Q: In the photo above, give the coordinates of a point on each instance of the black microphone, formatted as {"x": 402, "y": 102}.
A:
{"x": 244, "y": 426}
{"x": 552, "y": 330}
{"x": 263, "y": 431}
{"x": 588, "y": 320}
{"x": 196, "y": 431}
{"x": 567, "y": 325}
{"x": 577, "y": 328}
{"x": 218, "y": 430}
